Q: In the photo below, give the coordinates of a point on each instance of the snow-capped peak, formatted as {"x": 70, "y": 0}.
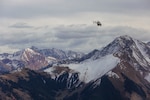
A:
{"x": 123, "y": 41}
{"x": 28, "y": 53}
{"x": 32, "y": 52}
{"x": 117, "y": 45}
{"x": 99, "y": 62}
{"x": 124, "y": 37}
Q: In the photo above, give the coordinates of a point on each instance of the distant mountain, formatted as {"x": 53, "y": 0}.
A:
{"x": 34, "y": 58}
{"x": 58, "y": 54}
{"x": 119, "y": 71}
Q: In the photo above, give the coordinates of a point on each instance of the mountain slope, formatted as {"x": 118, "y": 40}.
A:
{"x": 27, "y": 85}
{"x": 124, "y": 63}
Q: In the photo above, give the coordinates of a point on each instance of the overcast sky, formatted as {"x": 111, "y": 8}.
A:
{"x": 68, "y": 24}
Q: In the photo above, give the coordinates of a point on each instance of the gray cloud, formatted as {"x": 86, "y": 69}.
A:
{"x": 21, "y": 25}
{"x": 75, "y": 37}
{"x": 76, "y": 32}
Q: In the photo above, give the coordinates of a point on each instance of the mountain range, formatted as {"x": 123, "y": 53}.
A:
{"x": 34, "y": 58}
{"x": 118, "y": 71}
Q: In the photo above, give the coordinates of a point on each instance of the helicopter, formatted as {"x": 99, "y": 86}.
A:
{"x": 98, "y": 23}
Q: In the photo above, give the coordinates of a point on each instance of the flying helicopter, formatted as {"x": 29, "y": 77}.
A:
{"x": 98, "y": 23}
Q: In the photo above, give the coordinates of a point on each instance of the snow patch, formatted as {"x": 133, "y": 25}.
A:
{"x": 112, "y": 74}
{"x": 43, "y": 81}
{"x": 92, "y": 70}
